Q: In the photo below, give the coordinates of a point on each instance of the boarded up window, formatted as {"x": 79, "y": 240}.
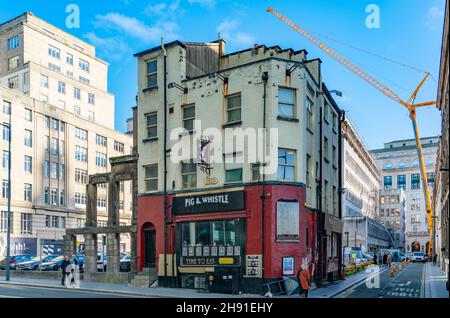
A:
{"x": 288, "y": 220}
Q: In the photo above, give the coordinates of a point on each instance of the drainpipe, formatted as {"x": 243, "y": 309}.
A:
{"x": 340, "y": 192}
{"x": 319, "y": 205}
{"x": 165, "y": 158}
{"x": 265, "y": 78}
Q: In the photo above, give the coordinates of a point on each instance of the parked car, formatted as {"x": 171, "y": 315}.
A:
{"x": 34, "y": 263}
{"x": 125, "y": 263}
{"x": 418, "y": 257}
{"x": 15, "y": 259}
{"x": 102, "y": 261}
{"x": 55, "y": 264}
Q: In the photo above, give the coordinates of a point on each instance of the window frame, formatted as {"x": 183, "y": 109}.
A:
{"x": 234, "y": 109}
{"x": 150, "y": 75}
{"x": 150, "y": 178}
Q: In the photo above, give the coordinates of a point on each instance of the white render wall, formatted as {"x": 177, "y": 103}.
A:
{"x": 207, "y": 94}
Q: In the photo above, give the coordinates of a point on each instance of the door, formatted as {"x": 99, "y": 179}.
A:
{"x": 324, "y": 257}
{"x": 149, "y": 248}
{"x": 226, "y": 280}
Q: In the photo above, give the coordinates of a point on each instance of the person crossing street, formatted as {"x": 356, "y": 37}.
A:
{"x": 304, "y": 280}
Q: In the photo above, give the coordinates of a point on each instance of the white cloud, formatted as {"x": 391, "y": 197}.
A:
{"x": 229, "y": 30}
{"x": 211, "y": 4}
{"x": 113, "y": 48}
{"x": 157, "y": 9}
{"x": 435, "y": 16}
{"x": 132, "y": 27}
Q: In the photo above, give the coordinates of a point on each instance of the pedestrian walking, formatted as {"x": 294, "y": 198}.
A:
{"x": 64, "y": 265}
{"x": 389, "y": 260}
{"x": 434, "y": 259}
{"x": 385, "y": 257}
{"x": 72, "y": 278}
{"x": 304, "y": 281}
{"x": 375, "y": 259}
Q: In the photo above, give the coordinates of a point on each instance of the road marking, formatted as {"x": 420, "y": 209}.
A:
{"x": 407, "y": 284}
{"x": 422, "y": 289}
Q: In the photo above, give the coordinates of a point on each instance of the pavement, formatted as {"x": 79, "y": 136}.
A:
{"x": 115, "y": 289}
{"x": 416, "y": 280}
{"x": 435, "y": 282}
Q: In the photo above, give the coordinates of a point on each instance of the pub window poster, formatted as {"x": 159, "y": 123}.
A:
{"x": 288, "y": 266}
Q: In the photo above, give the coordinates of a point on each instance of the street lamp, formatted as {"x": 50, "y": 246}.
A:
{"x": 333, "y": 91}
{"x": 8, "y": 231}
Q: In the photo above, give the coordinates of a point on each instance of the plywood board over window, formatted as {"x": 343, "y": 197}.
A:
{"x": 288, "y": 221}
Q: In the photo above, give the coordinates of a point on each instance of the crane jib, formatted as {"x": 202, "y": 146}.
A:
{"x": 383, "y": 89}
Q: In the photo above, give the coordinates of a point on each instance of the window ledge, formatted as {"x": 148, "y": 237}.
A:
{"x": 287, "y": 118}
{"x": 232, "y": 124}
{"x": 145, "y": 140}
{"x": 149, "y": 89}
{"x": 232, "y": 182}
{"x": 287, "y": 241}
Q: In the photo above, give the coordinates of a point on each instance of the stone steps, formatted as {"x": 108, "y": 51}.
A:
{"x": 144, "y": 278}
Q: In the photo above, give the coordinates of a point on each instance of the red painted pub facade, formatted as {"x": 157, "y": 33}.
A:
{"x": 228, "y": 239}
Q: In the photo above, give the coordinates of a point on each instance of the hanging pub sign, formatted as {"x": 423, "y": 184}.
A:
{"x": 211, "y": 202}
{"x": 203, "y": 155}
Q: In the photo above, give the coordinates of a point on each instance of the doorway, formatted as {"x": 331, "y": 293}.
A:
{"x": 149, "y": 248}
{"x": 415, "y": 247}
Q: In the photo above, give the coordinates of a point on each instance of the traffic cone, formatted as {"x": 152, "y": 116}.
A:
{"x": 392, "y": 273}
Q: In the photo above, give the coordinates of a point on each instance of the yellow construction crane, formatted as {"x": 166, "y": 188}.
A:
{"x": 410, "y": 104}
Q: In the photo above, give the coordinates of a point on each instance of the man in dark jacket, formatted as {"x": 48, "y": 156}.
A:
{"x": 64, "y": 264}
{"x": 385, "y": 257}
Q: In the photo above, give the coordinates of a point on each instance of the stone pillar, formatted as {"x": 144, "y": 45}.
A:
{"x": 90, "y": 253}
{"x": 133, "y": 252}
{"x": 113, "y": 203}
{"x": 69, "y": 244}
{"x": 133, "y": 234}
{"x": 91, "y": 206}
{"x": 113, "y": 252}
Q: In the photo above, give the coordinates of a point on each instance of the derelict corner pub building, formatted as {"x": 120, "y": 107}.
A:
{"x": 230, "y": 239}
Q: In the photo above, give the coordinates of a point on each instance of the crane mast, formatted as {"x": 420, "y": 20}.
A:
{"x": 410, "y": 104}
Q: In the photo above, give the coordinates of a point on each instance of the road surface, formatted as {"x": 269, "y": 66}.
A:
{"x": 407, "y": 283}
{"x": 19, "y": 291}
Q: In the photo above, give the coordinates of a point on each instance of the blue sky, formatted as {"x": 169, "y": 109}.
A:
{"x": 410, "y": 32}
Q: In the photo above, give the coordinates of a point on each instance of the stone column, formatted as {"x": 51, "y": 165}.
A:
{"x": 90, "y": 253}
{"x": 113, "y": 252}
{"x": 91, "y": 206}
{"x": 113, "y": 203}
{"x": 133, "y": 234}
{"x": 69, "y": 246}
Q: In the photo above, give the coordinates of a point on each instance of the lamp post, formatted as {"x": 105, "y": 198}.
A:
{"x": 8, "y": 230}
